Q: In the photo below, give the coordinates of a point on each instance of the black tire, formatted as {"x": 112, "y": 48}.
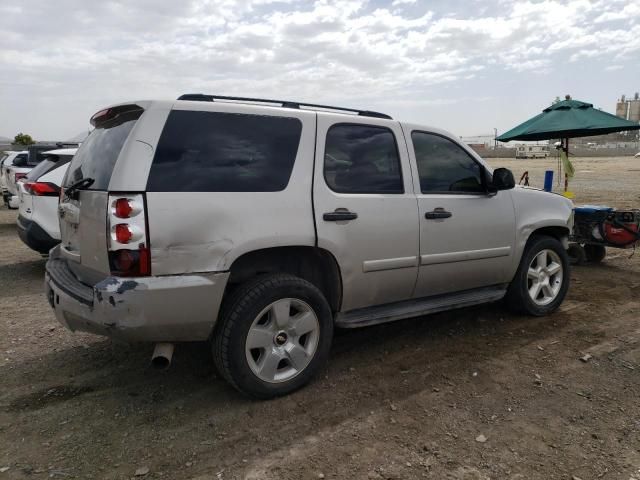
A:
{"x": 595, "y": 253}
{"x": 517, "y": 297}
{"x": 237, "y": 316}
{"x": 577, "y": 254}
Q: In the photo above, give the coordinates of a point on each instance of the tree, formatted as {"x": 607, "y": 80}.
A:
{"x": 23, "y": 139}
{"x": 557, "y": 100}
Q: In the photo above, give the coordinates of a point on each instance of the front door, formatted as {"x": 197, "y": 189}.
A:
{"x": 466, "y": 235}
{"x": 365, "y": 208}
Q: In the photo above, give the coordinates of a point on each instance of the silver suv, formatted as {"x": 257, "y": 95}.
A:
{"x": 261, "y": 225}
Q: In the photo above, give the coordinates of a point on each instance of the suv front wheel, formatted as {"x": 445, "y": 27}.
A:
{"x": 542, "y": 279}
{"x": 274, "y": 334}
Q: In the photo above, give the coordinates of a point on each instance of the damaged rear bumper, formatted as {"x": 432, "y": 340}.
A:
{"x": 171, "y": 308}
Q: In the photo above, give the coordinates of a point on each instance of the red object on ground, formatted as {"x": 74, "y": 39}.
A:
{"x": 621, "y": 236}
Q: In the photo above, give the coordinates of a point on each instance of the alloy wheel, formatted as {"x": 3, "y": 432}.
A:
{"x": 544, "y": 277}
{"x": 282, "y": 340}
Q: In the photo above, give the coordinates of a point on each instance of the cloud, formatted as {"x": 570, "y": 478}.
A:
{"x": 344, "y": 51}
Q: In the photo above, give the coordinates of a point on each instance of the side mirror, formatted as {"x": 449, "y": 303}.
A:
{"x": 502, "y": 180}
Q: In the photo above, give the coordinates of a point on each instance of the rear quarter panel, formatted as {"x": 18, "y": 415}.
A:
{"x": 45, "y": 209}
{"x": 11, "y": 178}
{"x": 207, "y": 231}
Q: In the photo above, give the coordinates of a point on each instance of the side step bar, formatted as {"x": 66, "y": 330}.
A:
{"x": 364, "y": 317}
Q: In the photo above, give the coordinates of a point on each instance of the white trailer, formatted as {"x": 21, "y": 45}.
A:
{"x": 532, "y": 151}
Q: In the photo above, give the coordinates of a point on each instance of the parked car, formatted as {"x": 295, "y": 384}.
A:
{"x": 7, "y": 170}
{"x": 21, "y": 167}
{"x": 38, "y": 223}
{"x": 637, "y": 154}
{"x": 260, "y": 226}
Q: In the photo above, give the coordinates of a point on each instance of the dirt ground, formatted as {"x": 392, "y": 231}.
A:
{"x": 472, "y": 394}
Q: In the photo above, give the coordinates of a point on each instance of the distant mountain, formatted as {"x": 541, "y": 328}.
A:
{"x": 79, "y": 137}
{"x": 4, "y": 139}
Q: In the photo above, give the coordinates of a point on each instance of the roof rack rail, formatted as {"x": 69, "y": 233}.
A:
{"x": 200, "y": 97}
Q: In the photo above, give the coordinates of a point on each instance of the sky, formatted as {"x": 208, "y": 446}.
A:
{"x": 467, "y": 66}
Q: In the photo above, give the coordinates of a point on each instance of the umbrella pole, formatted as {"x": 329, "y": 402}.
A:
{"x": 559, "y": 166}
{"x": 566, "y": 177}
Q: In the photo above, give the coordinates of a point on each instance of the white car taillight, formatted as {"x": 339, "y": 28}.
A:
{"x": 129, "y": 254}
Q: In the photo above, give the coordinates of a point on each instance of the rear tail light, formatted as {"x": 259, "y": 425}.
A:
{"x": 122, "y": 208}
{"x": 42, "y": 189}
{"x": 129, "y": 254}
{"x": 19, "y": 175}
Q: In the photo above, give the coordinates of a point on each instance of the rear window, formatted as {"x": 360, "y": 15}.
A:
{"x": 224, "y": 152}
{"x": 48, "y": 164}
{"x": 97, "y": 155}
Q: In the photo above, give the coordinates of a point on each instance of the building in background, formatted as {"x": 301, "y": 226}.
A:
{"x": 629, "y": 109}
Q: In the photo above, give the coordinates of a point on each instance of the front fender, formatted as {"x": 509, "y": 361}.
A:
{"x": 535, "y": 210}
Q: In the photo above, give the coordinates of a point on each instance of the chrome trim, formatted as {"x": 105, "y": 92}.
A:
{"x": 389, "y": 264}
{"x": 436, "y": 258}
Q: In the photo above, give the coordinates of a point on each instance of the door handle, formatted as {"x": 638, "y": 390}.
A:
{"x": 437, "y": 213}
{"x": 340, "y": 214}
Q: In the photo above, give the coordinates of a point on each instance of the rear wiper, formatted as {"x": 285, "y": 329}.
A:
{"x": 71, "y": 190}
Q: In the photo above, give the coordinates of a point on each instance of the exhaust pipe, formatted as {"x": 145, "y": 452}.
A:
{"x": 162, "y": 354}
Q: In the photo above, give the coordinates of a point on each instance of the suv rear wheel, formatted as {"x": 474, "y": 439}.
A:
{"x": 273, "y": 335}
{"x": 542, "y": 279}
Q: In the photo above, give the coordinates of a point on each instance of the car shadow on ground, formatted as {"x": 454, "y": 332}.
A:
{"x": 23, "y": 278}
{"x": 102, "y": 369}
{"x": 8, "y": 227}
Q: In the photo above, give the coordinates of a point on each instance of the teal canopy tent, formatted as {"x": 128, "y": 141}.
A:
{"x": 568, "y": 119}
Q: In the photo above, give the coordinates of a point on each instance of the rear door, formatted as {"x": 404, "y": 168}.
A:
{"x": 83, "y": 215}
{"x": 466, "y": 235}
{"x": 365, "y": 208}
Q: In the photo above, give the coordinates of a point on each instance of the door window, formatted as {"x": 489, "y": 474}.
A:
{"x": 444, "y": 166}
{"x": 362, "y": 159}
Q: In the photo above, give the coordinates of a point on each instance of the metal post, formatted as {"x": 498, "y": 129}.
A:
{"x": 566, "y": 177}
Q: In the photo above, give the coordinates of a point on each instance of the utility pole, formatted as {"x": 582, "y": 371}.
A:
{"x": 495, "y": 138}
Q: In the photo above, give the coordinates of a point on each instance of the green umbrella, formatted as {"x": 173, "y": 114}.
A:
{"x": 568, "y": 119}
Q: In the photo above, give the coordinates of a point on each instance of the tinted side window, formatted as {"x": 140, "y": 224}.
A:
{"x": 362, "y": 159}
{"x": 444, "y": 166}
{"x": 224, "y": 152}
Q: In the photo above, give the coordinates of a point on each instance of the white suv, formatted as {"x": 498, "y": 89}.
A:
{"x": 260, "y": 225}
{"x": 12, "y": 168}
{"x": 38, "y": 225}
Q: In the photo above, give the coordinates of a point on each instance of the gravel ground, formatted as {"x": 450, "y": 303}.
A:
{"x": 472, "y": 394}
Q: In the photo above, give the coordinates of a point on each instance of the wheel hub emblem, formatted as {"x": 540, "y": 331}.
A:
{"x": 281, "y": 339}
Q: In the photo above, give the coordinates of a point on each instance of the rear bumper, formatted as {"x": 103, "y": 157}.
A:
{"x": 34, "y": 236}
{"x": 176, "y": 308}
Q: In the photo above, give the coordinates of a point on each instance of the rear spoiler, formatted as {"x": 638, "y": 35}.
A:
{"x": 112, "y": 116}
